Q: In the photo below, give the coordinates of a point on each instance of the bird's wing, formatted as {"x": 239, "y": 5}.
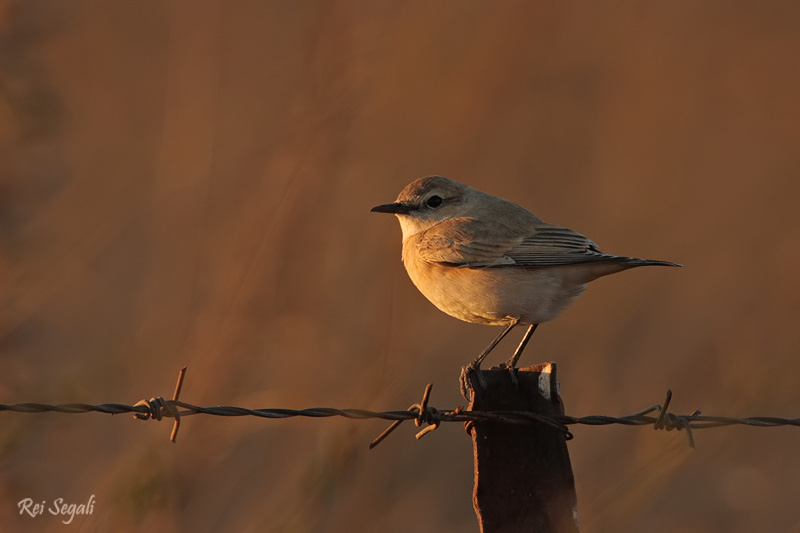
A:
{"x": 471, "y": 243}
{"x": 553, "y": 245}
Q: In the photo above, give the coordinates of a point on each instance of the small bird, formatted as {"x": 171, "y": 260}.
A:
{"x": 485, "y": 260}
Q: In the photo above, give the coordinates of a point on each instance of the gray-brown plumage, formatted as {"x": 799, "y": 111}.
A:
{"x": 486, "y": 260}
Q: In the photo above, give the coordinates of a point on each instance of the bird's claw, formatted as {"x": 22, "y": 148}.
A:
{"x": 466, "y": 382}
{"x": 512, "y": 371}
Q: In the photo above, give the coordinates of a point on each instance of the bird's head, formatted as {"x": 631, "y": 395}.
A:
{"x": 428, "y": 201}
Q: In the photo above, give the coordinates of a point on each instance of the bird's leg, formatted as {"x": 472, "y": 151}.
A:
{"x": 512, "y": 363}
{"x": 478, "y": 360}
{"x": 476, "y": 364}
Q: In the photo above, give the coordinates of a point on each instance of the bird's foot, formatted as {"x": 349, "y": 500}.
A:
{"x": 466, "y": 382}
{"x": 512, "y": 370}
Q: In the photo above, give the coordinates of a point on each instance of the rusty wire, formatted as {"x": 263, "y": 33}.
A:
{"x": 157, "y": 408}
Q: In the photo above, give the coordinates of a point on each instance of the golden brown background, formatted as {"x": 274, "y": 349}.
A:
{"x": 190, "y": 183}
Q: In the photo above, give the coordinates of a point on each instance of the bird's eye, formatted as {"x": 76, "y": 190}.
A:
{"x": 434, "y": 201}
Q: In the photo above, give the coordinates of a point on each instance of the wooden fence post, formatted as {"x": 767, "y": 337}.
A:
{"x": 523, "y": 475}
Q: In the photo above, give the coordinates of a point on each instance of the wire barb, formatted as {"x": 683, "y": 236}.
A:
{"x": 423, "y": 415}
{"x": 158, "y": 407}
{"x": 669, "y": 421}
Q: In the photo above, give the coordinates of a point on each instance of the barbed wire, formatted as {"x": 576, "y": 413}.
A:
{"x": 157, "y": 408}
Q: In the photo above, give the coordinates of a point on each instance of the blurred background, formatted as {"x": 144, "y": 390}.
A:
{"x": 189, "y": 183}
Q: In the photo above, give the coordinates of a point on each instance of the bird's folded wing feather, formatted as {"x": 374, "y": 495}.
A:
{"x": 553, "y": 245}
{"x": 472, "y": 243}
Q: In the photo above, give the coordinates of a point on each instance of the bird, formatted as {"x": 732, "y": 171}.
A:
{"x": 486, "y": 260}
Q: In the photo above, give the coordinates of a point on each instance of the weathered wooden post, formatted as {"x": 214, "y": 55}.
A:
{"x": 523, "y": 475}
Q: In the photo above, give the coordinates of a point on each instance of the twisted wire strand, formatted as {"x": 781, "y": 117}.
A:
{"x": 157, "y": 408}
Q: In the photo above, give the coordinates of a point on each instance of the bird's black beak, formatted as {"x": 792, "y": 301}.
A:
{"x": 397, "y": 208}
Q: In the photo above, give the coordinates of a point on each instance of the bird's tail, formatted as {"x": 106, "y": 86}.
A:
{"x": 635, "y": 262}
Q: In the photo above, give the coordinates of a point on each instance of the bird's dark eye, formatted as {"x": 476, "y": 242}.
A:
{"x": 434, "y": 201}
